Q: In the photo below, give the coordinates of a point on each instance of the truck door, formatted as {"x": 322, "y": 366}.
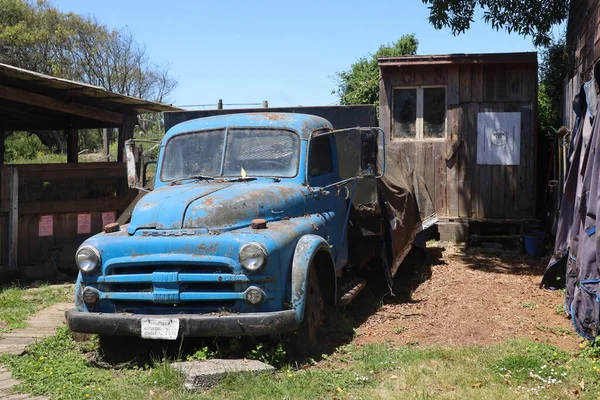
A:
{"x": 330, "y": 203}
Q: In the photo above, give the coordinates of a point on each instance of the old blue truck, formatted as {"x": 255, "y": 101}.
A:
{"x": 252, "y": 226}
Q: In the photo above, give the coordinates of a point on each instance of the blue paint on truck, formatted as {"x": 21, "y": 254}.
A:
{"x": 180, "y": 255}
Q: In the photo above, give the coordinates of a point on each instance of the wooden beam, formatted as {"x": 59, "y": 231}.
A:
{"x": 125, "y": 133}
{"x": 73, "y": 206}
{"x": 13, "y": 217}
{"x": 52, "y": 103}
{"x": 72, "y": 145}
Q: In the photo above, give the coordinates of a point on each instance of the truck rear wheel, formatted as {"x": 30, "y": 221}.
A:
{"x": 314, "y": 314}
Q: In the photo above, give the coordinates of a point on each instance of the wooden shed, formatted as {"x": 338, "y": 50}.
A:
{"x": 47, "y": 210}
{"x": 468, "y": 124}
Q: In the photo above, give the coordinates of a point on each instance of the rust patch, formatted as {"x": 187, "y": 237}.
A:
{"x": 204, "y": 249}
{"x": 271, "y": 116}
{"x": 208, "y": 201}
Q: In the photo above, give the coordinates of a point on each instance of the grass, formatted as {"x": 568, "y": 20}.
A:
{"x": 17, "y": 304}
{"x": 58, "y": 367}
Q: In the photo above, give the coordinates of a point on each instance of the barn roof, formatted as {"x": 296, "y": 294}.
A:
{"x": 34, "y": 101}
{"x": 448, "y": 59}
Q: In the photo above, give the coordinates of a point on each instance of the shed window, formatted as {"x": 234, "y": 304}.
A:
{"x": 419, "y": 113}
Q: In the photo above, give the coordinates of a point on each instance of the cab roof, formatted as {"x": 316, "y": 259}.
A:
{"x": 304, "y": 124}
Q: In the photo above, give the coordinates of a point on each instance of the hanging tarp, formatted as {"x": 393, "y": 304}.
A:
{"x": 579, "y": 223}
{"x": 409, "y": 207}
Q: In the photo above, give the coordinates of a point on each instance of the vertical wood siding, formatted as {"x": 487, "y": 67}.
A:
{"x": 458, "y": 186}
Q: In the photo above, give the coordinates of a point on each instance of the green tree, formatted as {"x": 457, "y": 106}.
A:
{"x": 39, "y": 37}
{"x": 553, "y": 70}
{"x": 526, "y": 17}
{"x": 35, "y": 35}
{"x": 360, "y": 83}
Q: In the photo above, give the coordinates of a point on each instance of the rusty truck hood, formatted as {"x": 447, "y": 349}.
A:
{"x": 217, "y": 206}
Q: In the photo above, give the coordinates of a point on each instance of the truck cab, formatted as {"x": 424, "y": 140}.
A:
{"x": 246, "y": 232}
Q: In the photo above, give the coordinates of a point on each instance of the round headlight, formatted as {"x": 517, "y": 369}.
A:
{"x": 90, "y": 295}
{"x": 87, "y": 258}
{"x": 253, "y": 256}
{"x": 254, "y": 295}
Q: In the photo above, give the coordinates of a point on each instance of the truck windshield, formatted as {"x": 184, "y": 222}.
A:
{"x": 214, "y": 153}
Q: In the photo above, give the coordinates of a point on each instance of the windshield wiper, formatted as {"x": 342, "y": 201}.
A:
{"x": 192, "y": 177}
{"x": 240, "y": 179}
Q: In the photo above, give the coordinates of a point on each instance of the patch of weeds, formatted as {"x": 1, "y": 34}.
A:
{"x": 252, "y": 348}
{"x": 536, "y": 360}
{"x": 589, "y": 349}
{"x": 400, "y": 329}
{"x": 57, "y": 367}
{"x": 413, "y": 343}
{"x": 17, "y": 304}
{"x": 530, "y": 305}
{"x": 562, "y": 331}
{"x": 203, "y": 353}
{"x": 274, "y": 354}
{"x": 559, "y": 309}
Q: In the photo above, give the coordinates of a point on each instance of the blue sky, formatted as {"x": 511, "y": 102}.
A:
{"x": 283, "y": 52}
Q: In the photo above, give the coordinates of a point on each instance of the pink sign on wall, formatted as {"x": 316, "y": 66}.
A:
{"x": 108, "y": 218}
{"x": 84, "y": 223}
{"x": 46, "y": 227}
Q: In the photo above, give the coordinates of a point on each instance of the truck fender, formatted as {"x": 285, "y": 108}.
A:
{"x": 307, "y": 248}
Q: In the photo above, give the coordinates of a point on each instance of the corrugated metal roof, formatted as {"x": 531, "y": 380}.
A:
{"x": 75, "y": 92}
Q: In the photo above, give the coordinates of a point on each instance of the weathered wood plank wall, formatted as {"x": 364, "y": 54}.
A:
{"x": 459, "y": 187}
{"x": 63, "y": 191}
{"x": 583, "y": 44}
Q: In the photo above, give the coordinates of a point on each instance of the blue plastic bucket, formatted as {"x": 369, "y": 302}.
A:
{"x": 534, "y": 243}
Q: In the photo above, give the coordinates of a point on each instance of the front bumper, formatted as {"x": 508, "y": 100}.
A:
{"x": 190, "y": 325}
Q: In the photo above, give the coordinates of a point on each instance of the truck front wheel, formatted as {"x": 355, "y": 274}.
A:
{"x": 314, "y": 315}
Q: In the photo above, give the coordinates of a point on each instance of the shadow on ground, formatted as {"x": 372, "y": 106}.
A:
{"x": 338, "y": 329}
{"x": 503, "y": 262}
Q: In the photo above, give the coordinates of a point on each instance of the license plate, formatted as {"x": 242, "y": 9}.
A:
{"x": 160, "y": 328}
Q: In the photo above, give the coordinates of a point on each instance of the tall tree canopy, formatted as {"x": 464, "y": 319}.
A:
{"x": 37, "y": 36}
{"x": 360, "y": 83}
{"x": 526, "y": 17}
{"x": 553, "y": 71}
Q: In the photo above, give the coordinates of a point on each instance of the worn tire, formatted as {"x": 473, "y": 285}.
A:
{"x": 314, "y": 314}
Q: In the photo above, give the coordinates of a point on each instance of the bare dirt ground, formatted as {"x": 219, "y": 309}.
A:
{"x": 469, "y": 297}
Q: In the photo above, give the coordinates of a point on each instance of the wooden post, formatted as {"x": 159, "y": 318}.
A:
{"x": 125, "y": 133}
{"x": 13, "y": 216}
{"x": 265, "y": 104}
{"x": 106, "y": 139}
{"x": 220, "y": 104}
{"x": 2, "y": 142}
{"x": 72, "y": 145}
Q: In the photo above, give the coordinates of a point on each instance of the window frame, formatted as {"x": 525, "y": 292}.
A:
{"x": 419, "y": 123}
{"x": 163, "y": 150}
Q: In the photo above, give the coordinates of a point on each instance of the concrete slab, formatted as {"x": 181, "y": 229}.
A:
{"x": 201, "y": 375}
